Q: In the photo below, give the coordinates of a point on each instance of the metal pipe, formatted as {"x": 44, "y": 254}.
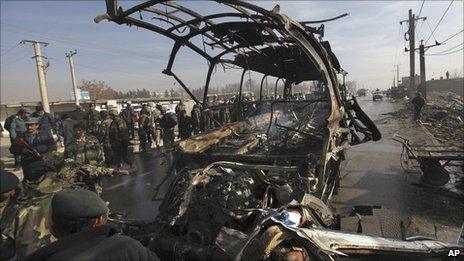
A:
{"x": 261, "y": 87}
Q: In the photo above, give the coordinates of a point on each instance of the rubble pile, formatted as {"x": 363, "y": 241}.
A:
{"x": 444, "y": 117}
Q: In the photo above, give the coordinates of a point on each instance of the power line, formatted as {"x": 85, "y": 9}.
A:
{"x": 440, "y": 54}
{"x": 15, "y": 56}
{"x": 7, "y": 51}
{"x": 83, "y": 44}
{"x": 454, "y": 47}
{"x": 430, "y": 28}
{"x": 441, "y": 19}
{"x": 452, "y": 36}
{"x": 422, "y": 5}
{"x": 397, "y": 45}
{"x": 15, "y": 61}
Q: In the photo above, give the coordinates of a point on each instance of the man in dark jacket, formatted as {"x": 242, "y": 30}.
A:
{"x": 185, "y": 125}
{"x": 418, "y": 102}
{"x": 126, "y": 115}
{"x": 78, "y": 114}
{"x": 78, "y": 218}
{"x": 46, "y": 120}
{"x": 39, "y": 142}
{"x": 17, "y": 129}
{"x": 167, "y": 122}
{"x": 67, "y": 131}
{"x": 196, "y": 118}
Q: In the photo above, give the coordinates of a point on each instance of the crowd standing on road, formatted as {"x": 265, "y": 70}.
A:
{"x": 46, "y": 212}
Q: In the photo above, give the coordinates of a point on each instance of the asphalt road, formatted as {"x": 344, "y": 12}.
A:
{"x": 372, "y": 176}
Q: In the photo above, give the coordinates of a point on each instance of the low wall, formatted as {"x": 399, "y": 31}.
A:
{"x": 451, "y": 85}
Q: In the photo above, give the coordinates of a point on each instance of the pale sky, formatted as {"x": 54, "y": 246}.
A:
{"x": 368, "y": 43}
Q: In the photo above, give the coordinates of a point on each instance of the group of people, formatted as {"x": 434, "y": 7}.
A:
{"x": 44, "y": 217}
{"x": 58, "y": 202}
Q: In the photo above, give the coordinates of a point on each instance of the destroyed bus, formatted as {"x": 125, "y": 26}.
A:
{"x": 258, "y": 187}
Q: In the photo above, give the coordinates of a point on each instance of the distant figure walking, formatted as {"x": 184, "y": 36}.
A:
{"x": 418, "y": 102}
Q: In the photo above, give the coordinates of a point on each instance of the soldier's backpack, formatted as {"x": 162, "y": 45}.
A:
{"x": 9, "y": 121}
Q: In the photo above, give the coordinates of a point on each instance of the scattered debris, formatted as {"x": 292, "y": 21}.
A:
{"x": 442, "y": 116}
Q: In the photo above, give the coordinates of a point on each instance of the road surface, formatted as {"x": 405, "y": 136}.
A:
{"x": 372, "y": 176}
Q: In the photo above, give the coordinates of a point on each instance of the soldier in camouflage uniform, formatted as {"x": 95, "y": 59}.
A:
{"x": 85, "y": 158}
{"x": 104, "y": 137}
{"x": 27, "y": 218}
{"x": 92, "y": 120}
{"x": 8, "y": 193}
{"x": 144, "y": 131}
{"x": 119, "y": 139}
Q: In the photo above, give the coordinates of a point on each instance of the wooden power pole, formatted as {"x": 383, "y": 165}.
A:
{"x": 73, "y": 77}
{"x": 40, "y": 72}
{"x": 411, "y": 35}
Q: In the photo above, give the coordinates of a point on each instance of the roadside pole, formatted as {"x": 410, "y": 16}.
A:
{"x": 73, "y": 77}
{"x": 412, "y": 61}
{"x": 40, "y": 72}
{"x": 412, "y": 41}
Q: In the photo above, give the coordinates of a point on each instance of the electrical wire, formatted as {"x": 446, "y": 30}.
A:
{"x": 447, "y": 50}
{"x": 440, "y": 54}
{"x": 10, "y": 49}
{"x": 10, "y": 62}
{"x": 430, "y": 28}
{"x": 397, "y": 46}
{"x": 441, "y": 19}
{"x": 420, "y": 11}
{"x": 17, "y": 55}
{"x": 422, "y": 24}
{"x": 451, "y": 36}
{"x": 83, "y": 44}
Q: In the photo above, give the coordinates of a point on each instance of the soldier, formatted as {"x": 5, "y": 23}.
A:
{"x": 104, "y": 138}
{"x": 225, "y": 115}
{"x": 418, "y": 102}
{"x": 185, "y": 125}
{"x": 119, "y": 139}
{"x": 79, "y": 218}
{"x": 93, "y": 120}
{"x": 154, "y": 118}
{"x": 8, "y": 188}
{"x": 180, "y": 107}
{"x": 196, "y": 118}
{"x": 8, "y": 192}
{"x": 28, "y": 220}
{"x": 46, "y": 120}
{"x": 144, "y": 130}
{"x": 68, "y": 131}
{"x": 167, "y": 123}
{"x": 78, "y": 114}
{"x": 35, "y": 143}
{"x": 17, "y": 129}
{"x": 126, "y": 114}
{"x": 84, "y": 160}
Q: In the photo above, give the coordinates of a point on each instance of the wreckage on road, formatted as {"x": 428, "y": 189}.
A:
{"x": 258, "y": 188}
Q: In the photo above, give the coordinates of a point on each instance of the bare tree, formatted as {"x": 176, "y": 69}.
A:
{"x": 351, "y": 87}
{"x": 98, "y": 89}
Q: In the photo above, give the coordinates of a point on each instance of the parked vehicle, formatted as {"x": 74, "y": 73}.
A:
{"x": 377, "y": 95}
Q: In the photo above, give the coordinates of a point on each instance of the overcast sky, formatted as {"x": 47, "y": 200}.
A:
{"x": 369, "y": 42}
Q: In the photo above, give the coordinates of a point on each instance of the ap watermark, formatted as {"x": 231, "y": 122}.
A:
{"x": 454, "y": 252}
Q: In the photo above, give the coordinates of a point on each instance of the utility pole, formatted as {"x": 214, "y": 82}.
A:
{"x": 411, "y": 35}
{"x": 422, "y": 50}
{"x": 73, "y": 77}
{"x": 40, "y": 71}
{"x": 412, "y": 61}
{"x": 398, "y": 75}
